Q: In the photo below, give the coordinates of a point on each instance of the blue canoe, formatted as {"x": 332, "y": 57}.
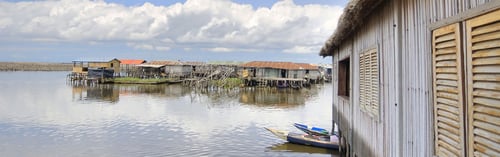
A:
{"x": 312, "y": 130}
{"x": 306, "y": 139}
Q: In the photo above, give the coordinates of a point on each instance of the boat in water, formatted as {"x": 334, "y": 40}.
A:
{"x": 312, "y": 130}
{"x": 330, "y": 142}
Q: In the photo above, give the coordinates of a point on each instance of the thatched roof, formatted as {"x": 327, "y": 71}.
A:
{"x": 354, "y": 14}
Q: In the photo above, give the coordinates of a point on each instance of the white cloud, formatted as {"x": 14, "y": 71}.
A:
{"x": 220, "y": 49}
{"x": 303, "y": 49}
{"x": 162, "y": 48}
{"x": 147, "y": 46}
{"x": 200, "y": 24}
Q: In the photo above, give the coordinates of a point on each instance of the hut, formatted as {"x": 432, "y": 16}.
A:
{"x": 311, "y": 72}
{"x": 103, "y": 68}
{"x": 177, "y": 69}
{"x": 417, "y": 77}
{"x": 198, "y": 69}
{"x": 153, "y": 69}
{"x": 326, "y": 72}
{"x": 128, "y": 67}
{"x": 267, "y": 73}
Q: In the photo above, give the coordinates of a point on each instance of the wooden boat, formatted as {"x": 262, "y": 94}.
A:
{"x": 312, "y": 130}
{"x": 297, "y": 148}
{"x": 306, "y": 139}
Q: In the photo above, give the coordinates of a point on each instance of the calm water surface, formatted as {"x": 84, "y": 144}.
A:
{"x": 42, "y": 115}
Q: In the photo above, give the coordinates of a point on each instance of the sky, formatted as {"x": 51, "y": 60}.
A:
{"x": 186, "y": 30}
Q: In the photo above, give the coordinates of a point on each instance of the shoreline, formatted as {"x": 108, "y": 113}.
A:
{"x": 35, "y": 66}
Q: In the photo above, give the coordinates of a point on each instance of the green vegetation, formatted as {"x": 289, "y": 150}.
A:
{"x": 228, "y": 83}
{"x": 134, "y": 80}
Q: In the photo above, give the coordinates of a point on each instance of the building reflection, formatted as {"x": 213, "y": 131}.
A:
{"x": 163, "y": 90}
{"x": 296, "y": 148}
{"x": 112, "y": 92}
{"x": 102, "y": 93}
{"x": 262, "y": 97}
{"x": 272, "y": 97}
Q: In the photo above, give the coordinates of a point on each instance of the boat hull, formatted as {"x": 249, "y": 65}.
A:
{"x": 305, "y": 139}
{"x": 313, "y": 141}
{"x": 312, "y": 130}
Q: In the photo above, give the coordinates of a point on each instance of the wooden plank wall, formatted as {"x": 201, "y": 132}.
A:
{"x": 341, "y": 106}
{"x": 400, "y": 31}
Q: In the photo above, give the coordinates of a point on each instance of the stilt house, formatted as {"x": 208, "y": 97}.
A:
{"x": 417, "y": 77}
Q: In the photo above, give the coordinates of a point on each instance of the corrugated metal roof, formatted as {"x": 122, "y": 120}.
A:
{"x": 150, "y": 65}
{"x": 95, "y": 60}
{"x": 193, "y": 63}
{"x": 276, "y": 65}
{"x": 132, "y": 61}
{"x": 167, "y": 63}
{"x": 308, "y": 66}
{"x": 164, "y": 63}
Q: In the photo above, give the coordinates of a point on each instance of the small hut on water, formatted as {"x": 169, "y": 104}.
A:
{"x": 153, "y": 69}
{"x": 280, "y": 74}
{"x": 129, "y": 67}
{"x": 95, "y": 69}
{"x": 417, "y": 77}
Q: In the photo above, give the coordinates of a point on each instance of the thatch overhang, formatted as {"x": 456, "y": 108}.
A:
{"x": 353, "y": 17}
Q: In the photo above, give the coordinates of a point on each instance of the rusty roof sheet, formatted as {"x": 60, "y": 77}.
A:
{"x": 308, "y": 66}
{"x": 132, "y": 61}
{"x": 276, "y": 65}
{"x": 164, "y": 63}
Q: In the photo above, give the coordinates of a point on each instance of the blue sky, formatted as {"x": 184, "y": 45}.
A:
{"x": 193, "y": 30}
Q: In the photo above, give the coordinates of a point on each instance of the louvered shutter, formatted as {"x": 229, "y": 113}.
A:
{"x": 483, "y": 55}
{"x": 374, "y": 84}
{"x": 448, "y": 91}
{"x": 368, "y": 82}
{"x": 362, "y": 82}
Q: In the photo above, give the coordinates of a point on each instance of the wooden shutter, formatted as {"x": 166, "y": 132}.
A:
{"x": 448, "y": 91}
{"x": 483, "y": 73}
{"x": 363, "y": 102}
{"x": 373, "y": 78}
{"x": 368, "y": 83}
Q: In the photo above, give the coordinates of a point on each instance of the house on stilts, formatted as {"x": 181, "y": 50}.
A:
{"x": 417, "y": 77}
{"x": 94, "y": 70}
{"x": 277, "y": 74}
{"x": 129, "y": 67}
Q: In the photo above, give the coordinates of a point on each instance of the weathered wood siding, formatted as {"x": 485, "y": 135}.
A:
{"x": 178, "y": 70}
{"x": 401, "y": 32}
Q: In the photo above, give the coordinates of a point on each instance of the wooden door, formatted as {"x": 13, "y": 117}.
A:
{"x": 449, "y": 124}
{"x": 483, "y": 75}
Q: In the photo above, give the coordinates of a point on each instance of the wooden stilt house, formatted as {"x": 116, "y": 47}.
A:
{"x": 417, "y": 77}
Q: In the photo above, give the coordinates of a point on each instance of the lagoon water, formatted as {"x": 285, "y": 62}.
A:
{"x": 42, "y": 115}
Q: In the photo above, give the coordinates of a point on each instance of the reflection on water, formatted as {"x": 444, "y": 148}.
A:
{"x": 263, "y": 97}
{"x": 106, "y": 93}
{"x": 276, "y": 97}
{"x": 40, "y": 115}
{"x": 290, "y": 147}
{"x": 111, "y": 92}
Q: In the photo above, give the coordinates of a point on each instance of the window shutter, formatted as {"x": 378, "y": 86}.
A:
{"x": 483, "y": 55}
{"x": 373, "y": 79}
{"x": 369, "y": 82}
{"x": 448, "y": 91}
{"x": 362, "y": 82}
